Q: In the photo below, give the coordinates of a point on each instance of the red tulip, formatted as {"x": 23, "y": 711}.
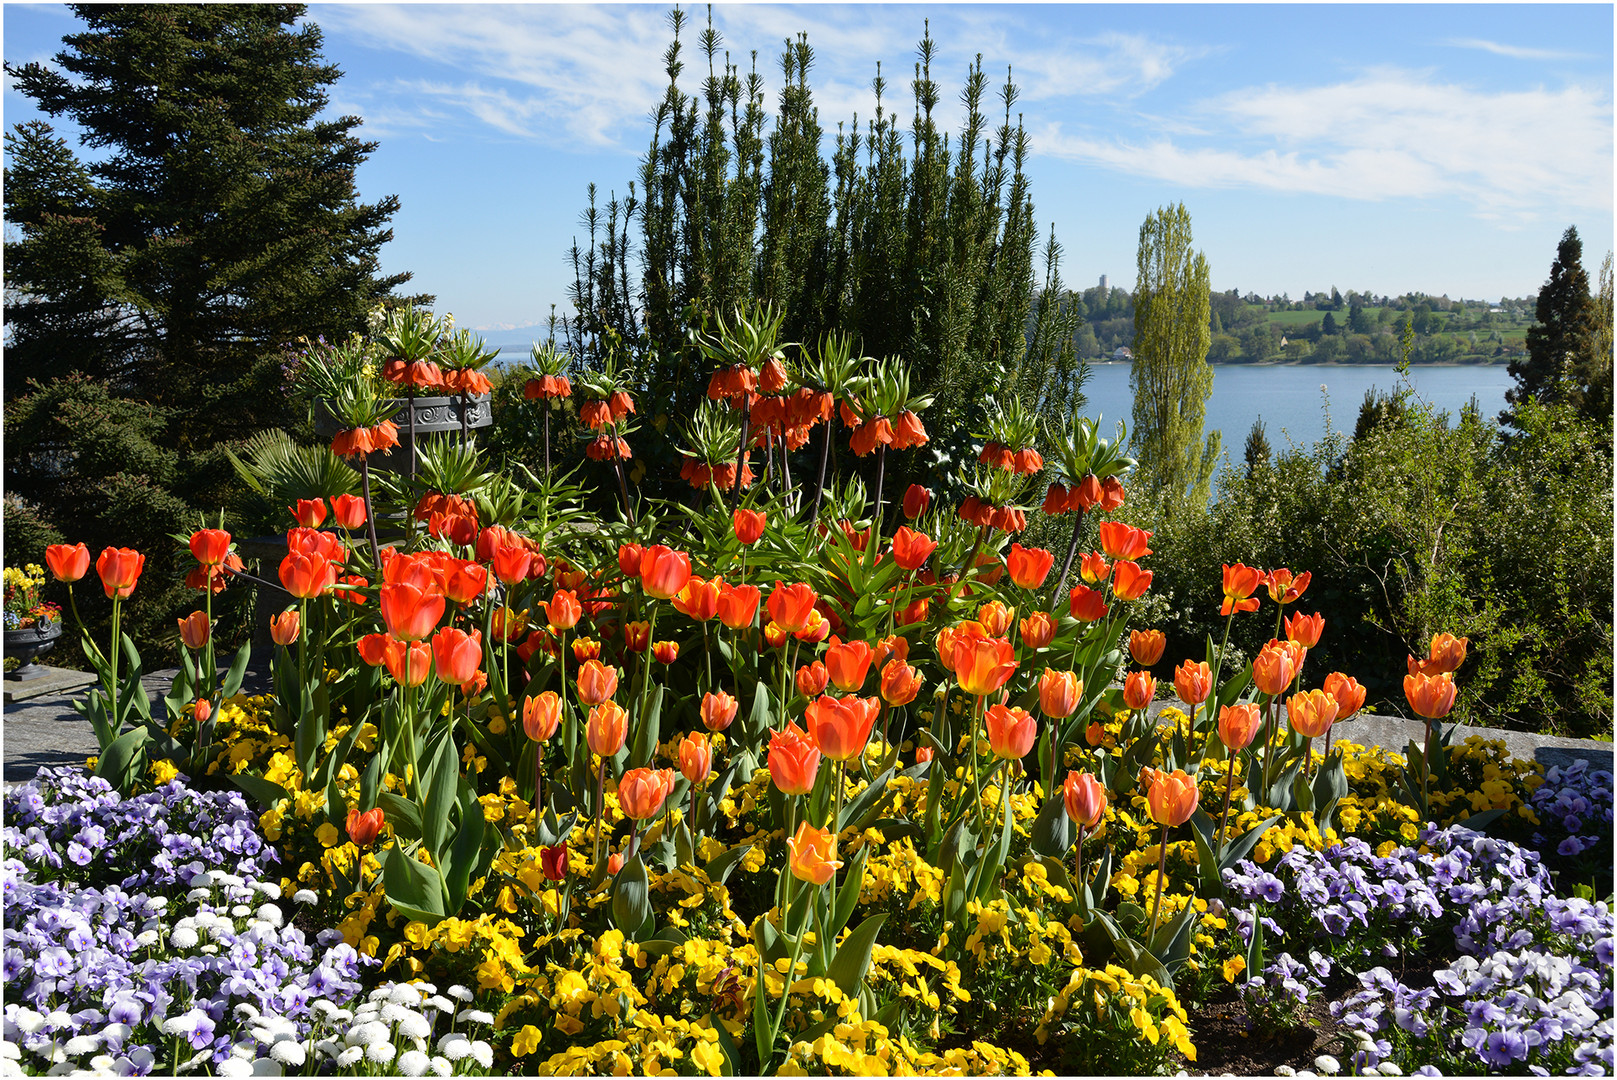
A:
{"x": 309, "y": 513}
{"x": 666, "y": 652}
{"x": 749, "y": 525}
{"x": 348, "y": 510}
{"x": 210, "y": 546}
{"x": 119, "y": 569}
{"x": 306, "y": 576}
{"x": 1029, "y": 566}
{"x": 511, "y": 563}
{"x": 1010, "y": 731}
{"x": 372, "y": 647}
{"x": 811, "y": 679}
{"x": 791, "y": 605}
{"x": 364, "y": 828}
{"x": 629, "y": 556}
{"x": 465, "y": 581}
{"x": 841, "y": 726}
{"x": 553, "y": 862}
{"x": 409, "y": 612}
{"x": 663, "y": 572}
{"x": 916, "y": 501}
{"x": 456, "y": 654}
{"x": 794, "y": 760}
{"x": 1087, "y": 605}
{"x": 1122, "y": 541}
{"x": 912, "y": 549}
{"x": 738, "y": 604}
{"x": 284, "y": 627}
{"x": 1094, "y": 568}
{"x": 68, "y": 563}
{"x": 1129, "y": 582}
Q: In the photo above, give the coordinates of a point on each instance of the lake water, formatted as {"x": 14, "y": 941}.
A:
{"x": 1292, "y": 399}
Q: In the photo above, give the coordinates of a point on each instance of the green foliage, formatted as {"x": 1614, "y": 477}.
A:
{"x": 918, "y": 248}
{"x": 1170, "y": 376}
{"x": 151, "y": 297}
{"x": 1561, "y": 363}
{"x": 1432, "y": 526}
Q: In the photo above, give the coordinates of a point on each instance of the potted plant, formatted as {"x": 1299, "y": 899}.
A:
{"x": 32, "y": 626}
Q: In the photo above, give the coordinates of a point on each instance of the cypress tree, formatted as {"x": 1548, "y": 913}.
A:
{"x": 1559, "y": 346}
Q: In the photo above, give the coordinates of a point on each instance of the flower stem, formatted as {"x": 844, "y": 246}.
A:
{"x": 1162, "y": 869}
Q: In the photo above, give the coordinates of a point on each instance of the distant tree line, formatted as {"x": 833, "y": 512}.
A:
{"x": 1353, "y": 328}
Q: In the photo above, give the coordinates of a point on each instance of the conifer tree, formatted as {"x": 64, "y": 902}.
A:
{"x": 1559, "y": 347}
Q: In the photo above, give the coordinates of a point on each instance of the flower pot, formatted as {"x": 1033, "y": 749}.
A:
{"x": 28, "y": 642}
{"x": 433, "y": 416}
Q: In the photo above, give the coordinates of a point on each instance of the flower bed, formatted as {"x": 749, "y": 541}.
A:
{"x": 719, "y": 789}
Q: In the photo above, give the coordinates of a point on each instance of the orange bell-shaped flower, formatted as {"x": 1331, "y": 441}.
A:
{"x": 1011, "y": 731}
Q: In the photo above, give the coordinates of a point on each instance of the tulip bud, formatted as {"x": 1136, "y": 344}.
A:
{"x": 1193, "y": 681}
{"x": 203, "y": 710}
{"x": 541, "y": 715}
{"x": 1011, "y": 731}
{"x": 1084, "y": 799}
{"x": 666, "y": 652}
{"x": 1139, "y": 689}
{"x": 607, "y": 728}
{"x": 553, "y": 862}
{"x": 1147, "y": 646}
{"x": 1059, "y": 693}
{"x": 916, "y": 501}
{"x": 1238, "y": 725}
{"x": 363, "y": 829}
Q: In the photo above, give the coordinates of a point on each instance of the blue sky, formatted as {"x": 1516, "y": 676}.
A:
{"x": 1439, "y": 148}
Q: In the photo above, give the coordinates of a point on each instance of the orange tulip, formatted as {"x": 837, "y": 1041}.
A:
{"x": 1284, "y": 588}
{"x": 202, "y": 710}
{"x": 666, "y": 652}
{"x": 1059, "y": 693}
{"x": 629, "y": 556}
{"x": 1431, "y": 696}
{"x": 891, "y": 647}
{"x": 586, "y": 649}
{"x": 408, "y": 662}
{"x": 899, "y": 682}
{"x": 983, "y": 665}
{"x": 563, "y": 610}
{"x": 1084, "y": 799}
{"x": 695, "y": 757}
{"x": 456, "y": 654}
{"x": 1038, "y": 629}
{"x": 912, "y": 549}
{"x": 1139, "y": 689}
{"x": 1193, "y": 682}
{"x": 68, "y": 562}
{"x": 194, "y": 629}
{"x": 309, "y": 513}
{"x": 597, "y": 682}
{"x": 364, "y": 828}
{"x": 410, "y": 613}
{"x": 749, "y": 525}
{"x": 541, "y": 715}
{"x": 637, "y": 636}
{"x": 1170, "y": 797}
{"x": 810, "y": 855}
{"x": 841, "y": 726}
{"x": 511, "y": 562}
{"x": 1094, "y": 568}
{"x": 1087, "y": 605}
{"x": 614, "y": 862}
{"x": 663, "y": 572}
{"x": 1129, "y": 582}
{"x": 924, "y": 754}
{"x": 775, "y": 635}
{"x": 1273, "y": 670}
{"x": 1094, "y": 734}
{"x": 210, "y": 546}
{"x": 119, "y": 569}
{"x": 306, "y": 576}
{"x": 996, "y": 618}
{"x": 1147, "y": 646}
{"x": 1240, "y": 582}
{"x": 284, "y": 627}
{"x": 1447, "y": 655}
{"x": 738, "y": 604}
{"x": 1311, "y": 714}
{"x": 1348, "y": 693}
{"x": 607, "y": 728}
{"x": 464, "y": 581}
{"x": 699, "y": 599}
{"x": 791, "y": 605}
{"x": 1011, "y": 731}
{"x": 1238, "y": 725}
{"x": 718, "y": 710}
{"x": 1029, "y": 566}
{"x": 349, "y": 511}
{"x": 1305, "y": 630}
{"x": 642, "y": 792}
{"x": 1122, "y": 541}
{"x": 848, "y": 664}
{"x": 916, "y": 500}
{"x": 794, "y": 760}
{"x": 811, "y": 679}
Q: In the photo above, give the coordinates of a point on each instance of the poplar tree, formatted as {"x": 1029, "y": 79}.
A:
{"x": 1170, "y": 376}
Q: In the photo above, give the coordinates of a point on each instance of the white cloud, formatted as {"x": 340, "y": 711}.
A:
{"x": 1386, "y": 135}
{"x": 1517, "y": 52}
